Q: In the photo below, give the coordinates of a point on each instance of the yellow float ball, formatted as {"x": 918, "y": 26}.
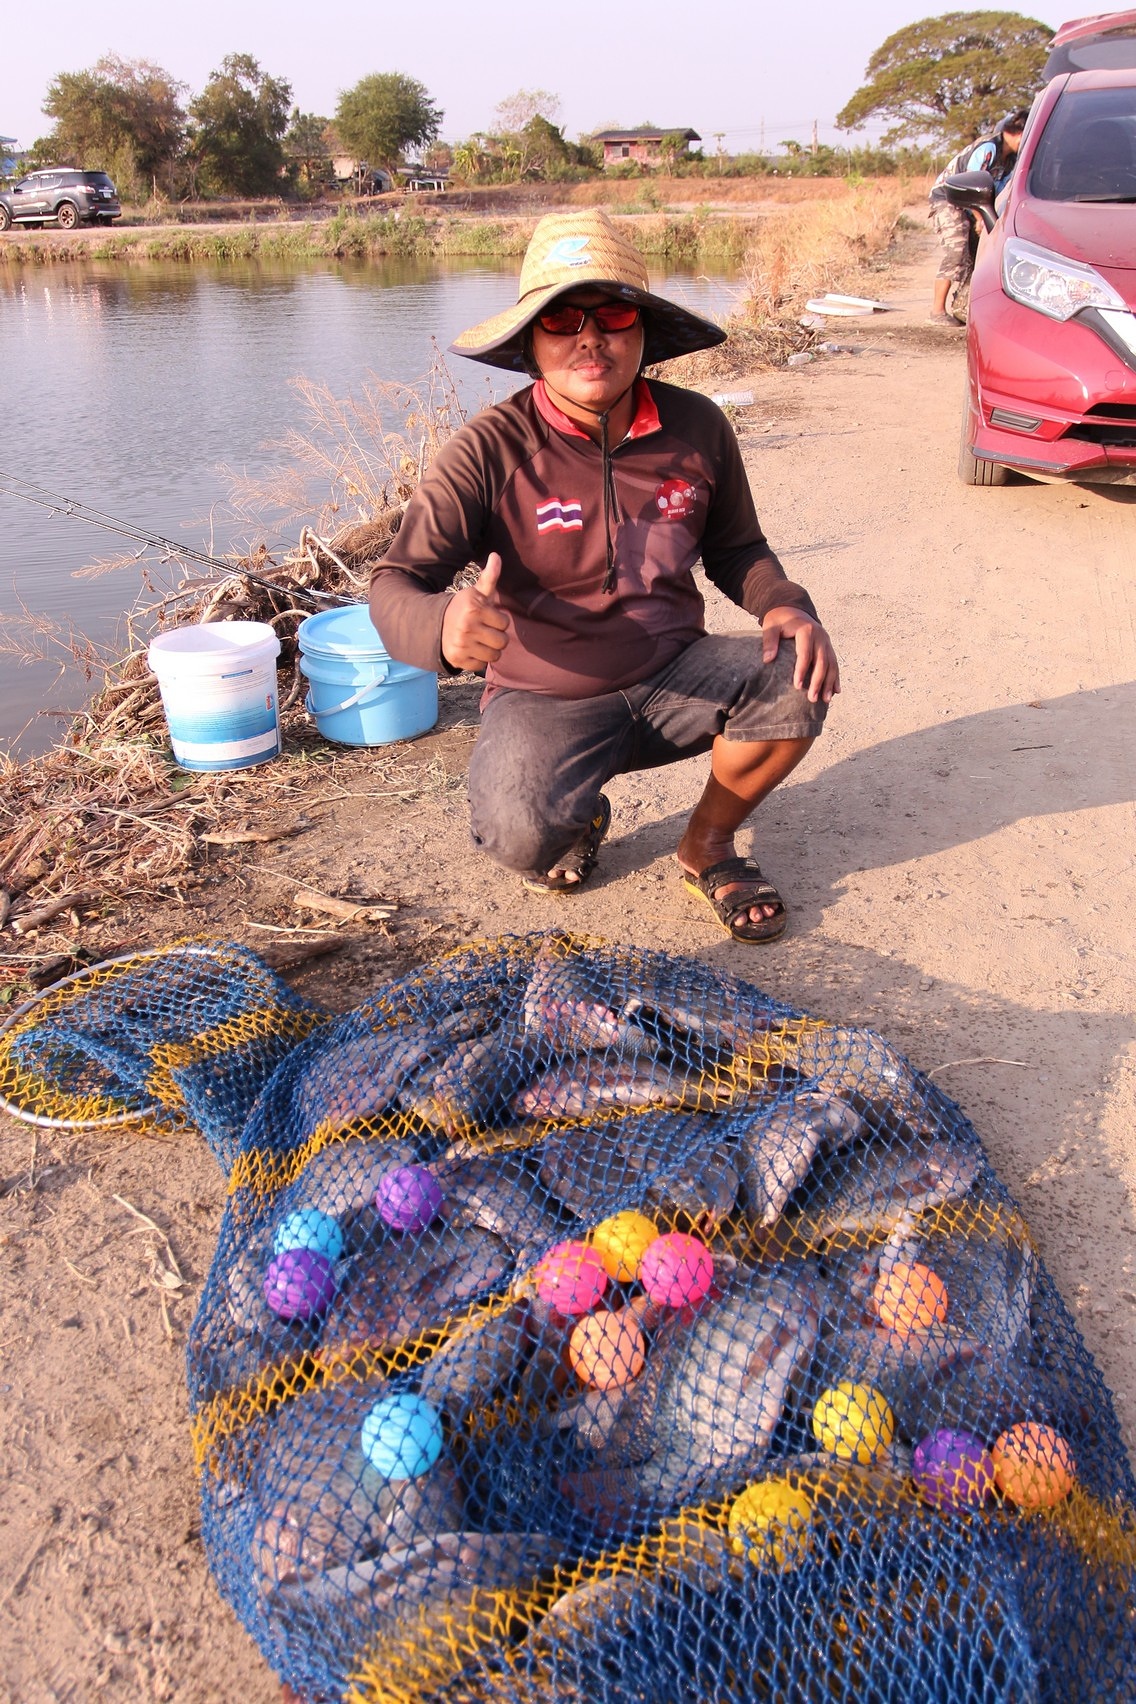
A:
{"x": 620, "y": 1243}
{"x": 853, "y": 1421}
{"x": 770, "y": 1522}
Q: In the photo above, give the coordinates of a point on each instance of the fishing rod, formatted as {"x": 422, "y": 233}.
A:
{"x": 57, "y": 504}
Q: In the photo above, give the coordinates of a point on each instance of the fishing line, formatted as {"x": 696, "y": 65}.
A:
{"x": 57, "y": 504}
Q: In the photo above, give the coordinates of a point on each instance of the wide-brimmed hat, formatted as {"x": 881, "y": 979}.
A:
{"x": 570, "y": 250}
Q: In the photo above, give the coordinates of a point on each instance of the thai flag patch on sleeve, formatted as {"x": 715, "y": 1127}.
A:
{"x": 557, "y": 516}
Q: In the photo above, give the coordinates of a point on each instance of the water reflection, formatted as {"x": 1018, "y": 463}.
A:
{"x": 128, "y": 387}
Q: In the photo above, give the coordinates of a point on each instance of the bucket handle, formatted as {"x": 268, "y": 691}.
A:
{"x": 360, "y": 697}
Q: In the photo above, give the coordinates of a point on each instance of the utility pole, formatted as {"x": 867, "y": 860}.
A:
{"x": 761, "y": 143}
{"x": 718, "y": 136}
{"x": 816, "y": 144}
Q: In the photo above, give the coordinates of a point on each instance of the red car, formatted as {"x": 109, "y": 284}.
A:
{"x": 1051, "y": 327}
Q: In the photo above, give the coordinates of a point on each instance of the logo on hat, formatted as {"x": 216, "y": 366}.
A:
{"x": 569, "y": 251}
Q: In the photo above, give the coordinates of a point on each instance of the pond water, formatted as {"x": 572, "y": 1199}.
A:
{"x": 131, "y": 389}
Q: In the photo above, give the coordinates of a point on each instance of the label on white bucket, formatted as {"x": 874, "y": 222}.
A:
{"x": 218, "y": 684}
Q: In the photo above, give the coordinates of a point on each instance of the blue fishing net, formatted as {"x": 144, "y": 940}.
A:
{"x": 584, "y": 1323}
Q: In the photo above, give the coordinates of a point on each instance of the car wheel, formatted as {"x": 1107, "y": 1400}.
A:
{"x": 5, "y": 219}
{"x": 973, "y": 470}
{"x": 68, "y": 215}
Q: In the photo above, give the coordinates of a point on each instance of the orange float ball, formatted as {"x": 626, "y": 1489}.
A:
{"x": 910, "y": 1297}
{"x": 606, "y": 1350}
{"x": 1033, "y": 1465}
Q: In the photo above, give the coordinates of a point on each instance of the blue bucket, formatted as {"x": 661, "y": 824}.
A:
{"x": 358, "y": 694}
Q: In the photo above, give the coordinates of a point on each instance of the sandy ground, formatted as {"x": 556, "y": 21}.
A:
{"x": 958, "y": 855}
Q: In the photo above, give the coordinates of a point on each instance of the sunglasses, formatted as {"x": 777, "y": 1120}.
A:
{"x": 567, "y": 320}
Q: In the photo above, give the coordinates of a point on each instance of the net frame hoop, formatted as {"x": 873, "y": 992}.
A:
{"x": 118, "y": 1120}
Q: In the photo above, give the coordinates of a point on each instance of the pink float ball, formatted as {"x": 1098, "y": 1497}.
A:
{"x": 408, "y": 1198}
{"x": 299, "y": 1283}
{"x": 571, "y": 1278}
{"x": 676, "y": 1270}
{"x": 953, "y": 1470}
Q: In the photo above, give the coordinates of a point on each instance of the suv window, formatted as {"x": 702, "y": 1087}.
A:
{"x": 98, "y": 180}
{"x": 1088, "y": 149}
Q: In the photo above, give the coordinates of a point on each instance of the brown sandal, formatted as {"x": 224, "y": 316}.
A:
{"x": 581, "y": 859}
{"x": 757, "y": 891}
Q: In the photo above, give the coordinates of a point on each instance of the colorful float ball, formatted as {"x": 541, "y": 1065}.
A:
{"x": 853, "y": 1421}
{"x": 402, "y": 1436}
{"x": 570, "y": 1278}
{"x": 408, "y": 1198}
{"x": 606, "y": 1350}
{"x": 307, "y": 1227}
{"x": 299, "y": 1283}
{"x": 953, "y": 1470}
{"x": 676, "y": 1270}
{"x": 910, "y": 1297}
{"x": 621, "y": 1242}
{"x": 770, "y": 1523}
{"x": 1033, "y": 1465}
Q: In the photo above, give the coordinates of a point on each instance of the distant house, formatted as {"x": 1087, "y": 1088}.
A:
{"x": 643, "y": 145}
{"x": 418, "y": 178}
{"x": 359, "y": 176}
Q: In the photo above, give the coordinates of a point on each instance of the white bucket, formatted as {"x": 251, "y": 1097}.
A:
{"x": 218, "y": 684}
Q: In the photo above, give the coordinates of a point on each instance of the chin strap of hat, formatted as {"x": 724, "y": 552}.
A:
{"x": 610, "y": 495}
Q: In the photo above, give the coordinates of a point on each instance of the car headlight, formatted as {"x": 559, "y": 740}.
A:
{"x": 1054, "y": 285}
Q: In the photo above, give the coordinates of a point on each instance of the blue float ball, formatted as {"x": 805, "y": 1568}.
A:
{"x": 307, "y": 1227}
{"x": 402, "y": 1436}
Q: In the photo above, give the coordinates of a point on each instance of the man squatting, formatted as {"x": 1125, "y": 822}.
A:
{"x": 586, "y": 499}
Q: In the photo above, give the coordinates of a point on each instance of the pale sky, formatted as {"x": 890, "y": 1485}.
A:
{"x": 751, "y": 70}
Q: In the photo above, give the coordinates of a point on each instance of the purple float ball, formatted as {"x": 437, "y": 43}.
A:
{"x": 953, "y": 1470}
{"x": 408, "y": 1198}
{"x": 299, "y": 1283}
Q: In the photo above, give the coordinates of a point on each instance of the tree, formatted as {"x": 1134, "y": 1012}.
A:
{"x": 517, "y": 111}
{"x": 385, "y": 114}
{"x": 124, "y": 116}
{"x": 306, "y": 145}
{"x": 239, "y": 120}
{"x": 951, "y": 78}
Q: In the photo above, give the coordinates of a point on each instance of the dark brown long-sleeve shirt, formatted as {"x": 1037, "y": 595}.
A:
{"x": 523, "y": 480}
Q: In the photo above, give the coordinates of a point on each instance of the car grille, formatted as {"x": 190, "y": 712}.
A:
{"x": 1117, "y": 436}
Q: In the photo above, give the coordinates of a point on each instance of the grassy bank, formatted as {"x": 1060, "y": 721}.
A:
{"x": 700, "y": 237}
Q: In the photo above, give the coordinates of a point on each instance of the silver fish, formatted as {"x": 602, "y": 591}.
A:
{"x": 363, "y": 1073}
{"x": 502, "y": 1193}
{"x": 582, "y": 1085}
{"x": 776, "y": 1150}
{"x": 342, "y": 1178}
{"x": 415, "y": 1590}
{"x": 973, "y": 1370}
{"x": 413, "y": 1283}
{"x": 479, "y": 1357}
{"x": 322, "y": 1504}
{"x": 662, "y": 1162}
{"x": 708, "y": 1403}
{"x": 870, "y": 1189}
{"x": 563, "y": 1013}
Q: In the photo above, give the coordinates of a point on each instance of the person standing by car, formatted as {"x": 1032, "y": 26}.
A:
{"x": 585, "y": 500}
{"x": 956, "y": 230}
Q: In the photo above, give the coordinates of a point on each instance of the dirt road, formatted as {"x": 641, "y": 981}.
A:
{"x": 958, "y": 855}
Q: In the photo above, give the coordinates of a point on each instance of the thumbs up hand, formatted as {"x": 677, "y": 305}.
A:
{"x": 475, "y": 627}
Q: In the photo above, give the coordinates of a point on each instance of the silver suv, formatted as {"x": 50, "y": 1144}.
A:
{"x": 60, "y": 196}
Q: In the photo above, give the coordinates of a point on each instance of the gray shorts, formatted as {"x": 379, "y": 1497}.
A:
{"x": 539, "y": 763}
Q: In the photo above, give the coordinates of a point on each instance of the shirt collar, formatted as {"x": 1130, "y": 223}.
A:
{"x": 646, "y": 418}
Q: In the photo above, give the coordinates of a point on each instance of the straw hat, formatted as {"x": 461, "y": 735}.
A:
{"x": 566, "y": 251}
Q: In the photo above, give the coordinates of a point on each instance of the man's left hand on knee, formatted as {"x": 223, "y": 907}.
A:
{"x": 817, "y": 671}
